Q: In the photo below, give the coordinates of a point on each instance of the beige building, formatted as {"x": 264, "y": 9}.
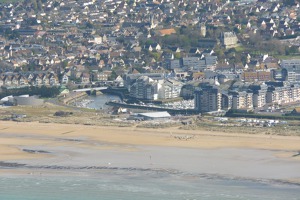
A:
{"x": 229, "y": 40}
{"x": 242, "y": 100}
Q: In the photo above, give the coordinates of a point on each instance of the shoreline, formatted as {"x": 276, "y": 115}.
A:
{"x": 40, "y": 146}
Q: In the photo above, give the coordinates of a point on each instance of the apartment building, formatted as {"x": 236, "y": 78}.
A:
{"x": 291, "y": 64}
{"x": 242, "y": 100}
{"x": 259, "y": 96}
{"x": 293, "y": 69}
{"x": 295, "y": 93}
{"x": 194, "y": 63}
{"x": 208, "y": 99}
{"x": 146, "y": 88}
{"x": 283, "y": 94}
{"x": 170, "y": 89}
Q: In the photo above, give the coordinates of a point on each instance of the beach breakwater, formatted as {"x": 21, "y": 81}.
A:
{"x": 73, "y": 96}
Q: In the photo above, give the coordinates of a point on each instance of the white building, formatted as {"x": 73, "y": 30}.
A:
{"x": 149, "y": 89}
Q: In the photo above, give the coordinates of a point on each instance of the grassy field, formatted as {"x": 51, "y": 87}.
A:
{"x": 288, "y": 56}
{"x": 45, "y": 114}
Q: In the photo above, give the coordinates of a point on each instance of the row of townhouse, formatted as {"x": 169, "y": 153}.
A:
{"x": 34, "y": 79}
{"x": 210, "y": 98}
{"x": 51, "y": 78}
{"x": 146, "y": 88}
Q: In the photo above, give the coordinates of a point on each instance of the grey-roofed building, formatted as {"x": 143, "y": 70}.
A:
{"x": 154, "y": 115}
{"x": 174, "y": 64}
{"x": 131, "y": 78}
{"x": 193, "y": 63}
{"x": 292, "y": 64}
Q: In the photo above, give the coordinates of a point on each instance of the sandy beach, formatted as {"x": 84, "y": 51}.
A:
{"x": 69, "y": 146}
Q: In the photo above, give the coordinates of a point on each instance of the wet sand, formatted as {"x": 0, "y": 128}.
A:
{"x": 78, "y": 147}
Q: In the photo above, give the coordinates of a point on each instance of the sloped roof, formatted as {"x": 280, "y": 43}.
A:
{"x": 155, "y": 114}
{"x": 296, "y": 110}
{"x": 167, "y": 31}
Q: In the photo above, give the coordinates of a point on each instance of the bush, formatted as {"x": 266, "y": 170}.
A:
{"x": 62, "y": 114}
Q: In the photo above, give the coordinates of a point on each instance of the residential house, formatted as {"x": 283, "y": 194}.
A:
{"x": 53, "y": 79}
{"x": 37, "y": 80}
{"x": 85, "y": 78}
{"x": 22, "y": 80}
{"x": 153, "y": 47}
{"x": 64, "y": 78}
{"x": 119, "y": 82}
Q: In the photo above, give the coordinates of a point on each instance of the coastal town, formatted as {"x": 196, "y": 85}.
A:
{"x": 222, "y": 55}
{"x": 149, "y": 99}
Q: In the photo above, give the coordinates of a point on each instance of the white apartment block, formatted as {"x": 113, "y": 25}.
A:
{"x": 295, "y": 93}
{"x": 149, "y": 89}
{"x": 170, "y": 89}
{"x": 283, "y": 95}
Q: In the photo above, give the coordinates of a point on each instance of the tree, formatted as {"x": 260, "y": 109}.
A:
{"x": 39, "y": 5}
{"x": 155, "y": 55}
{"x": 177, "y": 55}
{"x": 289, "y": 2}
{"x": 55, "y": 4}
{"x": 64, "y": 64}
{"x": 34, "y": 5}
{"x": 149, "y": 42}
{"x": 89, "y": 25}
{"x": 11, "y": 34}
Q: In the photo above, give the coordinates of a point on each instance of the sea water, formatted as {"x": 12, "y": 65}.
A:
{"x": 98, "y": 102}
{"x": 113, "y": 184}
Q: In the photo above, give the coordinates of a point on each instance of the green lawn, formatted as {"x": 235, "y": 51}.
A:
{"x": 240, "y": 48}
{"x": 288, "y": 56}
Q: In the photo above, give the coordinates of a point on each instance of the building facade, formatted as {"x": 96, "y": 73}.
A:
{"x": 229, "y": 39}
{"x": 208, "y": 99}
